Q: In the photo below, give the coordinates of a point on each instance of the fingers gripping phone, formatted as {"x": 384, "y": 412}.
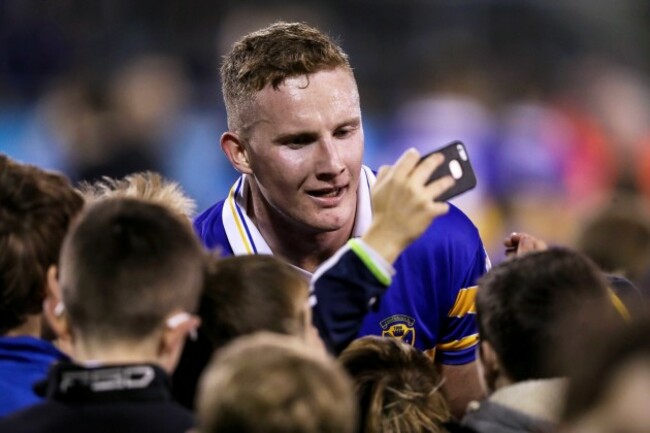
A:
{"x": 456, "y": 165}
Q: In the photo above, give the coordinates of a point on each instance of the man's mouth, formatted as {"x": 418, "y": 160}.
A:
{"x": 327, "y": 192}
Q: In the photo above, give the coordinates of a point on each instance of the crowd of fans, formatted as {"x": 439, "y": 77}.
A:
{"x": 114, "y": 317}
{"x": 92, "y": 336}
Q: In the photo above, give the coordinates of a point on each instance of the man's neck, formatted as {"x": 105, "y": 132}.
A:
{"x": 90, "y": 352}
{"x": 299, "y": 246}
{"x": 31, "y": 327}
{"x": 302, "y": 250}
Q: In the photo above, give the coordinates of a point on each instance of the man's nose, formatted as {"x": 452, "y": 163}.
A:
{"x": 329, "y": 158}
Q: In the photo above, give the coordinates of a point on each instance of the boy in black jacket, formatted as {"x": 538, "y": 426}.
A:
{"x": 129, "y": 279}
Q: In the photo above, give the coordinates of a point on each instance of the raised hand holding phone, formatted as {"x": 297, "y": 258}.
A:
{"x": 404, "y": 203}
{"x": 457, "y": 165}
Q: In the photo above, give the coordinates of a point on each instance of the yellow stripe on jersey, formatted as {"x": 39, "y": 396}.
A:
{"x": 461, "y": 344}
{"x": 240, "y": 229}
{"x": 620, "y": 306}
{"x": 464, "y": 303}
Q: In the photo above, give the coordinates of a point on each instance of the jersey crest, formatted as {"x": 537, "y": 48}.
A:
{"x": 399, "y": 326}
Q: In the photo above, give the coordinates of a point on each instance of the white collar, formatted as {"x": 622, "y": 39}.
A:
{"x": 245, "y": 238}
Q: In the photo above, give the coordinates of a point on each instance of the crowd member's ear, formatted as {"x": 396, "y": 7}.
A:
{"x": 234, "y": 147}
{"x": 54, "y": 311}
{"x": 490, "y": 366}
{"x": 178, "y": 327}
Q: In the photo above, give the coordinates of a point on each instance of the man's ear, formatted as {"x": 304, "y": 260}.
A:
{"x": 177, "y": 328}
{"x": 234, "y": 148}
{"x": 54, "y": 310}
{"x": 490, "y": 365}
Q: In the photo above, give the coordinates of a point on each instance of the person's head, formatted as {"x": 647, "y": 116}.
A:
{"x": 397, "y": 387}
{"x": 271, "y": 383}
{"x": 148, "y": 186}
{"x": 609, "y": 387}
{"x": 617, "y": 238}
{"x": 36, "y": 209}
{"x": 294, "y": 124}
{"x": 246, "y": 294}
{"x": 270, "y": 56}
{"x": 522, "y": 305}
{"x": 130, "y": 276}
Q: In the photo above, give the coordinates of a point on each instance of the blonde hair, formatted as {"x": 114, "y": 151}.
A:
{"x": 148, "y": 186}
{"x": 271, "y": 55}
{"x": 272, "y": 383}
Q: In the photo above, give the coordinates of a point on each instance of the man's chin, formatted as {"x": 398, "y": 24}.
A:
{"x": 328, "y": 225}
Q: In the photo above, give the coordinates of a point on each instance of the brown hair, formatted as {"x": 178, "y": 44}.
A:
{"x": 397, "y": 386}
{"x": 245, "y": 294}
{"x": 268, "y": 57}
{"x": 36, "y": 208}
{"x": 524, "y": 306}
{"x": 125, "y": 266}
{"x": 270, "y": 383}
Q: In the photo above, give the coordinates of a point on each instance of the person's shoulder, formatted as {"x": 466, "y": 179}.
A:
{"x": 209, "y": 215}
{"x": 456, "y": 221}
{"x": 452, "y": 229}
{"x": 208, "y": 225}
{"x": 124, "y": 416}
{"x": 161, "y": 417}
{"x": 37, "y": 418}
{"x": 488, "y": 416}
{"x": 453, "y": 242}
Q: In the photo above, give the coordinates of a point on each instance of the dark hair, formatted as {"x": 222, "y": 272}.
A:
{"x": 126, "y": 265}
{"x": 246, "y": 294}
{"x": 397, "y": 386}
{"x": 271, "y": 55}
{"x": 522, "y": 305}
{"x": 595, "y": 367}
{"x": 36, "y": 209}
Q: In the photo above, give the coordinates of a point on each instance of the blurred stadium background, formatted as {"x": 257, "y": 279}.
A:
{"x": 551, "y": 97}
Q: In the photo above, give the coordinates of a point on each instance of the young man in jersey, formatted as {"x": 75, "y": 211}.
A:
{"x": 296, "y": 135}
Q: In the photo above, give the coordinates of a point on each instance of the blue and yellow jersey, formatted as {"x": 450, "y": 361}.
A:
{"x": 429, "y": 303}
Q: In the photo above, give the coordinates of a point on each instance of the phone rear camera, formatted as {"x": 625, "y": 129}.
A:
{"x": 455, "y": 169}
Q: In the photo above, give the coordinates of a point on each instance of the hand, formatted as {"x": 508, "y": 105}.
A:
{"x": 403, "y": 206}
{"x": 518, "y": 244}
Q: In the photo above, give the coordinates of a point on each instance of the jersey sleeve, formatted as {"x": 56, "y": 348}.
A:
{"x": 459, "y": 336}
{"x": 344, "y": 289}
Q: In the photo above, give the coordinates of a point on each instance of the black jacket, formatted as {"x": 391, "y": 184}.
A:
{"x": 115, "y": 399}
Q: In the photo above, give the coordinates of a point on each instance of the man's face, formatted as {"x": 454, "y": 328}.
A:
{"x": 305, "y": 146}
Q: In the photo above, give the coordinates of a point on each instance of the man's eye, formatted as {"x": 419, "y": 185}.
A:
{"x": 342, "y": 133}
{"x": 299, "y": 140}
{"x": 302, "y": 140}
